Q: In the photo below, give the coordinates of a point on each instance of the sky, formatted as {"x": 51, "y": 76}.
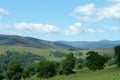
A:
{"x": 56, "y": 20}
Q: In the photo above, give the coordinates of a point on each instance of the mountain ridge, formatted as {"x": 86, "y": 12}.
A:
{"x": 13, "y": 40}
{"x": 93, "y": 44}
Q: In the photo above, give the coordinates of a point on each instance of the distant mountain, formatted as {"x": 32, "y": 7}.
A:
{"x": 92, "y": 44}
{"x": 13, "y": 40}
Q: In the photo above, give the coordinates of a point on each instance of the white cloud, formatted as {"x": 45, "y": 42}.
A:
{"x": 32, "y": 28}
{"x": 48, "y": 29}
{"x": 112, "y": 28}
{"x": 112, "y": 12}
{"x": 4, "y": 26}
{"x": 37, "y": 28}
{"x": 74, "y": 29}
{"x": 4, "y": 12}
{"x": 87, "y": 9}
{"x": 90, "y": 30}
{"x": 114, "y": 1}
{"x": 90, "y": 13}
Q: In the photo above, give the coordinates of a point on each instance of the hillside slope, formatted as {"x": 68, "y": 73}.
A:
{"x": 13, "y": 40}
{"x": 92, "y": 44}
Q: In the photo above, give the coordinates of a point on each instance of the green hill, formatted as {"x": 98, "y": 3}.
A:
{"x": 13, "y": 40}
{"x": 92, "y": 44}
{"x": 109, "y": 73}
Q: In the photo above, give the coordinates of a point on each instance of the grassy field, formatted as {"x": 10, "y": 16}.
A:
{"x": 111, "y": 73}
{"x": 46, "y": 52}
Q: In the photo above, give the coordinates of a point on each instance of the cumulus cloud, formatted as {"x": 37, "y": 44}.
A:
{"x": 114, "y": 1}
{"x": 104, "y": 29}
{"x": 48, "y": 29}
{"x": 90, "y": 30}
{"x": 112, "y": 28}
{"x": 4, "y": 12}
{"x": 5, "y": 26}
{"x": 35, "y": 28}
{"x": 74, "y": 29}
{"x": 39, "y": 28}
{"x": 78, "y": 29}
{"x": 90, "y": 13}
{"x": 87, "y": 9}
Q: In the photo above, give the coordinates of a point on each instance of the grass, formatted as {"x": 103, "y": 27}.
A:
{"x": 46, "y": 52}
{"x": 112, "y": 73}
{"x": 109, "y": 73}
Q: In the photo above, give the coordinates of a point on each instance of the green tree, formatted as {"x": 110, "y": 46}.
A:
{"x": 79, "y": 63}
{"x": 95, "y": 61}
{"x": 68, "y": 64}
{"x": 25, "y": 59}
{"x": 117, "y": 54}
{"x": 46, "y": 69}
{"x": 1, "y": 76}
{"x": 25, "y": 73}
{"x": 28, "y": 72}
{"x": 14, "y": 71}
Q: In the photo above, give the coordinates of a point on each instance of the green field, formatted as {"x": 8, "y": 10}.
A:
{"x": 46, "y": 52}
{"x": 111, "y": 73}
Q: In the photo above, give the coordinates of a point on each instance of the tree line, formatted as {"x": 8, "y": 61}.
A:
{"x": 46, "y": 69}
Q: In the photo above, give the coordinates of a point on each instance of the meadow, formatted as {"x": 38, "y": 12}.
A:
{"x": 109, "y": 73}
{"x": 46, "y": 52}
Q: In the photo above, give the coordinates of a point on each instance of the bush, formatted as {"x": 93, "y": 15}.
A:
{"x": 1, "y": 76}
{"x": 68, "y": 64}
{"x": 58, "y": 54}
{"x": 110, "y": 62}
{"x": 46, "y": 69}
{"x": 28, "y": 71}
{"x": 79, "y": 54}
{"x": 95, "y": 61}
{"x": 117, "y": 55}
{"x": 14, "y": 71}
{"x": 79, "y": 63}
{"x": 25, "y": 59}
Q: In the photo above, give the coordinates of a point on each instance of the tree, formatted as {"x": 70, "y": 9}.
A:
{"x": 28, "y": 72}
{"x": 46, "y": 69}
{"x": 79, "y": 63}
{"x": 68, "y": 64}
{"x": 1, "y": 76}
{"x": 58, "y": 54}
{"x": 14, "y": 71}
{"x": 95, "y": 61}
{"x": 117, "y": 54}
{"x": 25, "y": 59}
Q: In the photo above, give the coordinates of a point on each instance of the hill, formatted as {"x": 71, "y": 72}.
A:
{"x": 13, "y": 40}
{"x": 92, "y": 44}
{"x": 109, "y": 73}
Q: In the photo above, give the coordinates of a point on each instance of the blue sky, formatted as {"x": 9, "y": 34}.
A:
{"x": 69, "y": 20}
